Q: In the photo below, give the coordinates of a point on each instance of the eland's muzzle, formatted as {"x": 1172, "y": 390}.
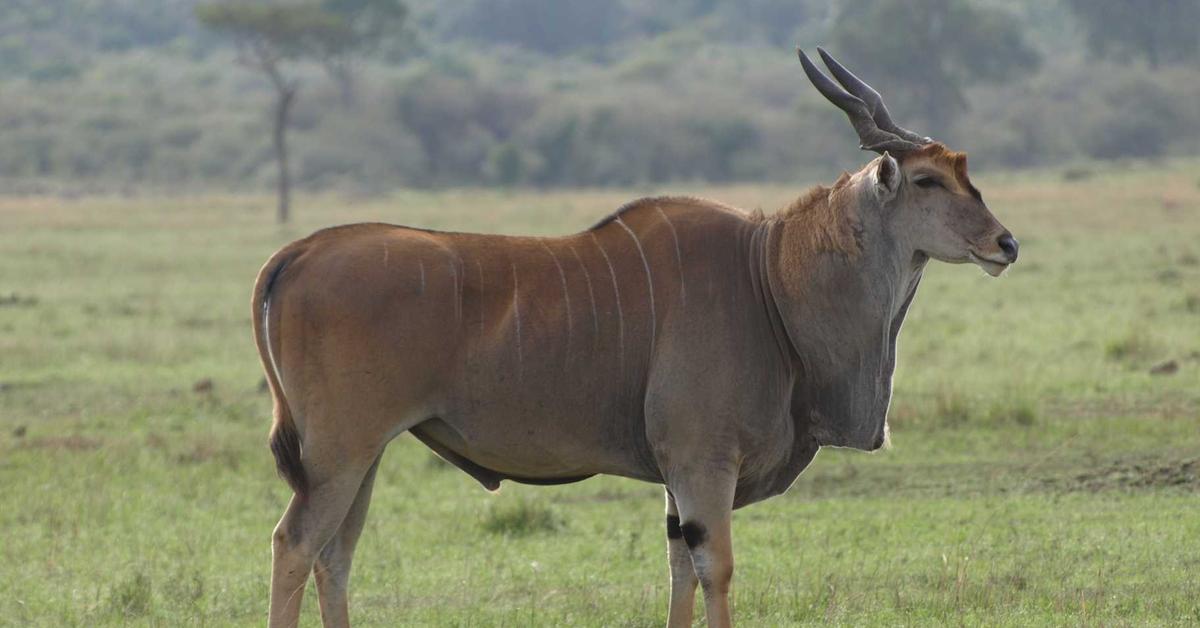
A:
{"x": 1009, "y": 246}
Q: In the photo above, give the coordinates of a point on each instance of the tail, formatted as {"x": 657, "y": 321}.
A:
{"x": 285, "y": 438}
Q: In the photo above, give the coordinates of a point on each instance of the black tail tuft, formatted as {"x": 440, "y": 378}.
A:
{"x": 285, "y": 445}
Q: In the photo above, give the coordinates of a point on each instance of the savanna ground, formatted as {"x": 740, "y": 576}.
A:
{"x": 1039, "y": 473}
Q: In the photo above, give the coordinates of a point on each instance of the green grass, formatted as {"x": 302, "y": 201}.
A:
{"x": 1039, "y": 474}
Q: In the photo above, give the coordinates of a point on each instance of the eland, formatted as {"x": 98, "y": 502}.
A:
{"x": 678, "y": 341}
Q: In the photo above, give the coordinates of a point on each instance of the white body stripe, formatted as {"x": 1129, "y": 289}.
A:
{"x": 479, "y": 267}
{"x": 649, "y": 279}
{"x": 591, "y": 294}
{"x": 517, "y": 313}
{"x": 462, "y": 285}
{"x": 617, "y": 292}
{"x": 678, "y": 255}
{"x": 566, "y": 294}
{"x": 457, "y": 290}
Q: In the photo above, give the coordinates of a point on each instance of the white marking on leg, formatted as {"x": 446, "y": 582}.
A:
{"x": 421, "y": 264}
{"x": 566, "y": 295}
{"x": 678, "y": 256}
{"x": 591, "y": 295}
{"x": 385, "y": 256}
{"x": 517, "y": 312}
{"x": 617, "y": 292}
{"x": 649, "y": 279}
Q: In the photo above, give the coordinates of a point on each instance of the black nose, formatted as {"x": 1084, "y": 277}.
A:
{"x": 1009, "y": 245}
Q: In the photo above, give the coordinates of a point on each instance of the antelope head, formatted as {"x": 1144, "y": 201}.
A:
{"x": 922, "y": 187}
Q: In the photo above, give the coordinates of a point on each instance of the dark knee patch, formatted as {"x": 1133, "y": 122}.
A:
{"x": 673, "y": 530}
{"x": 693, "y": 533}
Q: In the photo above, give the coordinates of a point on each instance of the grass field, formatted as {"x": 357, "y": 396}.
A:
{"x": 1039, "y": 473}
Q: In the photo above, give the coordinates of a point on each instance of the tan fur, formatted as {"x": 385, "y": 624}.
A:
{"x": 939, "y": 157}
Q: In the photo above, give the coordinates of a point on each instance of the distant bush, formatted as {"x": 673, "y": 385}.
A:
{"x": 371, "y": 153}
{"x": 686, "y": 102}
{"x": 1139, "y": 117}
{"x": 1099, "y": 111}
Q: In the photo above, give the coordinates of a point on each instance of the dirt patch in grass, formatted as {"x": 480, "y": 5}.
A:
{"x": 74, "y": 442}
{"x": 1133, "y": 475}
{"x": 1177, "y": 471}
{"x": 17, "y": 300}
{"x": 1166, "y": 406}
{"x": 203, "y": 452}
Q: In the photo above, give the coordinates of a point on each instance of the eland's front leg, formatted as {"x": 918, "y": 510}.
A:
{"x": 704, "y": 497}
{"x": 683, "y": 575}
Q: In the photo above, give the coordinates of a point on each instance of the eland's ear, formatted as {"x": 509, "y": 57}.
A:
{"x": 885, "y": 177}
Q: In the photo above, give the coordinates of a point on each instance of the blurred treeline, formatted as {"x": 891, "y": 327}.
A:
{"x": 111, "y": 95}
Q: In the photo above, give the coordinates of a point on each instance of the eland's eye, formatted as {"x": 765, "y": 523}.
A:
{"x": 927, "y": 182}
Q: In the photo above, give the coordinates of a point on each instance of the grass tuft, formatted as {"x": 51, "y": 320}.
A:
{"x": 185, "y": 589}
{"x": 521, "y": 517}
{"x": 1013, "y": 410}
{"x": 132, "y": 597}
{"x": 1134, "y": 345}
{"x": 951, "y": 408}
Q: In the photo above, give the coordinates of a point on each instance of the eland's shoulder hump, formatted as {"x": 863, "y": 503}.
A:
{"x": 686, "y": 203}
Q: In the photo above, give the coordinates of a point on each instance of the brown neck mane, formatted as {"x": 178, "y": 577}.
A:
{"x": 823, "y": 219}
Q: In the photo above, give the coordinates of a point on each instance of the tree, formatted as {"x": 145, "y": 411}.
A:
{"x": 269, "y": 36}
{"x": 1163, "y": 31}
{"x": 928, "y": 51}
{"x": 373, "y": 25}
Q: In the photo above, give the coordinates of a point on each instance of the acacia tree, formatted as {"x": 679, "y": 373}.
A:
{"x": 376, "y": 27}
{"x": 270, "y": 36}
{"x": 928, "y": 51}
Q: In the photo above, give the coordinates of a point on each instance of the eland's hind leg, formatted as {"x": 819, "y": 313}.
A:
{"x": 307, "y": 526}
{"x": 332, "y": 570}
